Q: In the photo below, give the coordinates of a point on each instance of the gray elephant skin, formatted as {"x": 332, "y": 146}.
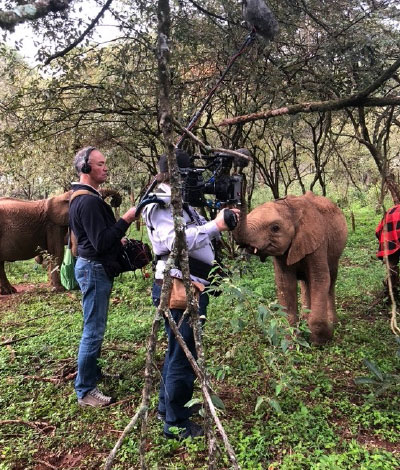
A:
{"x": 28, "y": 227}
{"x": 306, "y": 236}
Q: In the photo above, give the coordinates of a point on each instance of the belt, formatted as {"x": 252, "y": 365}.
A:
{"x": 90, "y": 260}
{"x": 158, "y": 282}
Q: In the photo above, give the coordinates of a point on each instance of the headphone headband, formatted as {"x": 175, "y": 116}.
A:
{"x": 86, "y": 168}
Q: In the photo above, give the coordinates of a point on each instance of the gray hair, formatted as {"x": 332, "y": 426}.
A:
{"x": 79, "y": 159}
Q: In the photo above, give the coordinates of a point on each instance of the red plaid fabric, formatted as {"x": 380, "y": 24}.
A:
{"x": 389, "y": 236}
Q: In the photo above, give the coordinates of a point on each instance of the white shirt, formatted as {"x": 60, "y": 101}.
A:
{"x": 160, "y": 227}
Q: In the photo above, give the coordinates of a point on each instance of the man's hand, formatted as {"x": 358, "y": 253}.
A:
{"x": 221, "y": 219}
{"x": 130, "y": 215}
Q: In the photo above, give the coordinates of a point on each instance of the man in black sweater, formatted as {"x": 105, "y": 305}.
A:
{"x": 99, "y": 238}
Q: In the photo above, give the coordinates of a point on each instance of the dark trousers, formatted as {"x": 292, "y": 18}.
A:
{"x": 177, "y": 381}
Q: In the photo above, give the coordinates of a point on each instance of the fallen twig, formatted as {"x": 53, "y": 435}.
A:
{"x": 12, "y": 341}
{"x": 53, "y": 380}
{"x": 27, "y": 321}
{"x": 125, "y": 400}
{"x": 46, "y": 464}
{"x": 41, "y": 426}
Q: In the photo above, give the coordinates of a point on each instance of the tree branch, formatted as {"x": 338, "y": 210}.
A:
{"x": 209, "y": 13}
{"x": 206, "y": 147}
{"x": 30, "y": 11}
{"x": 82, "y": 36}
{"x": 313, "y": 107}
{"x": 356, "y": 100}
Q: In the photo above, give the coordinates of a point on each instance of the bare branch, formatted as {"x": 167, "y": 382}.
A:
{"x": 206, "y": 147}
{"x": 356, "y": 100}
{"x": 312, "y": 107}
{"x": 82, "y": 36}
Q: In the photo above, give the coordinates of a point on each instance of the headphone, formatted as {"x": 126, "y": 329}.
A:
{"x": 86, "y": 168}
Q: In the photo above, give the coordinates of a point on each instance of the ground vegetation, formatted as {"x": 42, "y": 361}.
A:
{"x": 284, "y": 404}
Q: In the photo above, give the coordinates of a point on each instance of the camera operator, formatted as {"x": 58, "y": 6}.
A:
{"x": 178, "y": 377}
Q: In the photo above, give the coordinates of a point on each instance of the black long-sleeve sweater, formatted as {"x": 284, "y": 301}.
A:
{"x": 93, "y": 223}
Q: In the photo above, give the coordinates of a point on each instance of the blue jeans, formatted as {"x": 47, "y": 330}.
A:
{"x": 177, "y": 381}
{"x": 96, "y": 289}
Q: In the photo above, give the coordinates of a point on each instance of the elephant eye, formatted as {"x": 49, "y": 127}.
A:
{"x": 275, "y": 228}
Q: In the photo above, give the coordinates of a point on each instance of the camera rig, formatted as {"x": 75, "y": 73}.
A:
{"x": 213, "y": 177}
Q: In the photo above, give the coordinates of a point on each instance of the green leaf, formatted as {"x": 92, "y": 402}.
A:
{"x": 275, "y": 405}
{"x": 237, "y": 324}
{"x": 302, "y": 342}
{"x": 217, "y": 402}
{"x": 260, "y": 401}
{"x": 193, "y": 401}
{"x": 275, "y": 306}
{"x": 374, "y": 369}
{"x": 272, "y": 329}
{"x": 284, "y": 344}
{"x": 263, "y": 313}
{"x": 383, "y": 389}
{"x": 365, "y": 380}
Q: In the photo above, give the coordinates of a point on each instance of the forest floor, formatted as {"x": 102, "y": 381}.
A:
{"x": 285, "y": 405}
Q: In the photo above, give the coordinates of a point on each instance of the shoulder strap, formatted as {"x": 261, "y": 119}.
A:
{"x": 81, "y": 192}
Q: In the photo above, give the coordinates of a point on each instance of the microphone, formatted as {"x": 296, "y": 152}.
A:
{"x": 259, "y": 17}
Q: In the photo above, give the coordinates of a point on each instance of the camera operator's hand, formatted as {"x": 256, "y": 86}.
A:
{"x": 221, "y": 222}
{"x": 130, "y": 215}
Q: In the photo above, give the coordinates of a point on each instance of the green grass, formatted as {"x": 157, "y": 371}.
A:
{"x": 287, "y": 405}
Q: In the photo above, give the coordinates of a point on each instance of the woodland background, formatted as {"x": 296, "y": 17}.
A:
{"x": 326, "y": 90}
{"x": 106, "y": 94}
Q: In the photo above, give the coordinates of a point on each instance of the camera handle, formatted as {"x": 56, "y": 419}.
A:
{"x": 230, "y": 218}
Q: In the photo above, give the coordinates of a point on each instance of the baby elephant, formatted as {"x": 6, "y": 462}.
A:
{"x": 306, "y": 236}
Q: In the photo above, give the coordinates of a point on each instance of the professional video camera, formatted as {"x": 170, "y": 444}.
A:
{"x": 213, "y": 178}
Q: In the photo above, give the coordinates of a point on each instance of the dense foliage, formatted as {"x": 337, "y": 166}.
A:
{"x": 106, "y": 93}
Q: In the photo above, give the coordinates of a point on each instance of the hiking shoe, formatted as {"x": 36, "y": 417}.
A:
{"x": 95, "y": 398}
{"x": 194, "y": 409}
{"x": 192, "y": 430}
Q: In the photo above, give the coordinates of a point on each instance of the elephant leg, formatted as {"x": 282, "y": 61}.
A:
{"x": 320, "y": 283}
{"x": 286, "y": 287}
{"x": 331, "y": 310}
{"x": 55, "y": 246}
{"x": 5, "y": 287}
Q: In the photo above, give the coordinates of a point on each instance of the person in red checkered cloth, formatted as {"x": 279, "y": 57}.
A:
{"x": 388, "y": 234}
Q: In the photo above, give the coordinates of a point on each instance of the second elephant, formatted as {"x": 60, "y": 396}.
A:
{"x": 29, "y": 227}
{"x": 306, "y": 236}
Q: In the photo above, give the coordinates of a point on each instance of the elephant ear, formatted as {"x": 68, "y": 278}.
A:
{"x": 57, "y": 209}
{"x": 309, "y": 229}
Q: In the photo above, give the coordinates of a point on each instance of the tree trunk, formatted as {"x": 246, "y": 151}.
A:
{"x": 239, "y": 234}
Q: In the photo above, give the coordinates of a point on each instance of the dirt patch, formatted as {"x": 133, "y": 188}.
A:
{"x": 8, "y": 301}
{"x": 72, "y": 459}
{"x": 374, "y": 442}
